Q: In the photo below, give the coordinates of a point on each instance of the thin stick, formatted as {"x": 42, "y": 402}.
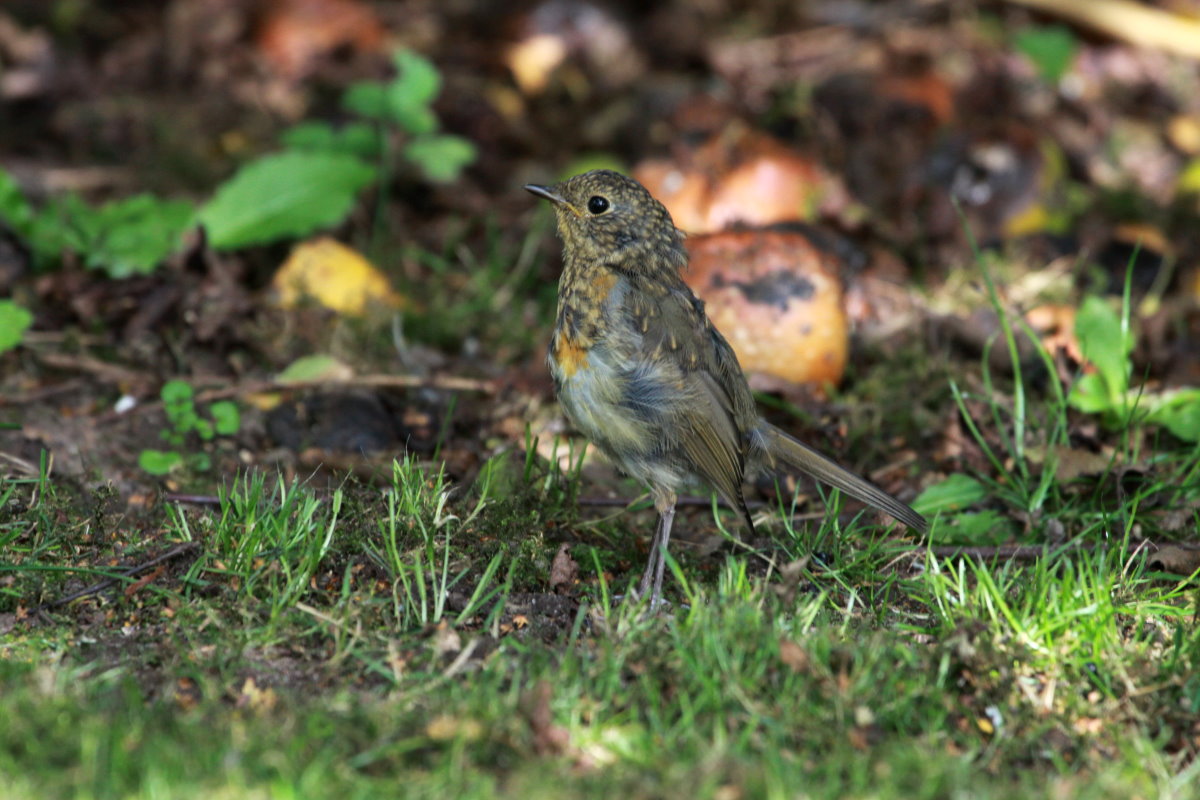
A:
{"x": 450, "y": 383}
{"x": 129, "y": 572}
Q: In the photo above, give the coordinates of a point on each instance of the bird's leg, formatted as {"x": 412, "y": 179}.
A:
{"x": 652, "y": 578}
{"x": 655, "y": 556}
{"x": 664, "y": 536}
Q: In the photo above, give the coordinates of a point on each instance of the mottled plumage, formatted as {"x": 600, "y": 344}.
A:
{"x": 641, "y": 371}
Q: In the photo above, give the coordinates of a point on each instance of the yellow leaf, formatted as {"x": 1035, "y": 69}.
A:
{"x": 1188, "y": 181}
{"x": 533, "y": 60}
{"x": 1183, "y": 131}
{"x": 336, "y": 276}
{"x": 1033, "y": 219}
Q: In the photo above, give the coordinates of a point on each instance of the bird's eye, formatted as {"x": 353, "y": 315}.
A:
{"x": 597, "y": 204}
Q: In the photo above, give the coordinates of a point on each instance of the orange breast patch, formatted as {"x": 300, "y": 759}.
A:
{"x": 602, "y": 283}
{"x": 569, "y": 356}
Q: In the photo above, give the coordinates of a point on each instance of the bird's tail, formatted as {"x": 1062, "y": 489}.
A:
{"x": 782, "y": 451}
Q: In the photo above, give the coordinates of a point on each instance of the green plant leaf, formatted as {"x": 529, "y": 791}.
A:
{"x": 14, "y": 208}
{"x": 134, "y": 235}
{"x": 410, "y": 94}
{"x": 1180, "y": 414}
{"x": 361, "y": 139}
{"x": 1051, "y": 49}
{"x": 199, "y": 462}
{"x": 368, "y": 99}
{"x": 159, "y": 462}
{"x": 310, "y": 136}
{"x": 388, "y": 103}
{"x": 1106, "y": 343}
{"x": 14, "y": 321}
{"x": 405, "y": 99}
{"x": 313, "y": 368}
{"x": 287, "y": 194}
{"x": 441, "y": 158}
{"x": 417, "y": 80}
{"x": 981, "y": 528}
{"x": 123, "y": 238}
{"x": 1090, "y": 395}
{"x": 227, "y": 420}
{"x": 954, "y": 493}
{"x": 177, "y": 405}
{"x": 62, "y": 225}
{"x": 176, "y": 393}
{"x": 415, "y": 120}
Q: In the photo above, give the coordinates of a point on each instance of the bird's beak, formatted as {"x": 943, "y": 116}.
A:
{"x": 545, "y": 192}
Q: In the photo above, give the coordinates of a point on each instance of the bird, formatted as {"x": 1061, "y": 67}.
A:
{"x": 644, "y": 375}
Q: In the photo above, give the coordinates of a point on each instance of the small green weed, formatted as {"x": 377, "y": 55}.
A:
{"x": 14, "y": 321}
{"x": 311, "y": 185}
{"x": 184, "y": 421}
{"x": 1107, "y": 340}
{"x": 403, "y": 105}
{"x": 123, "y": 237}
{"x": 314, "y": 182}
{"x": 1050, "y": 48}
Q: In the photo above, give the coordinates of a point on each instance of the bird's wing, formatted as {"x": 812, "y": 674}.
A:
{"x": 705, "y": 406}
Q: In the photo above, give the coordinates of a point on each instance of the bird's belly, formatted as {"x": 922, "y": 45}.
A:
{"x": 591, "y": 390}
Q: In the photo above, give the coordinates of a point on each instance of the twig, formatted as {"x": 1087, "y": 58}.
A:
{"x": 95, "y": 588}
{"x": 1127, "y": 21}
{"x": 99, "y": 369}
{"x": 447, "y": 382}
{"x": 192, "y": 499}
{"x": 1017, "y": 552}
{"x": 684, "y": 500}
{"x": 42, "y": 394}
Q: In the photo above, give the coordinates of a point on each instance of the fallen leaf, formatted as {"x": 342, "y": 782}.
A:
{"x": 860, "y": 738}
{"x": 251, "y": 696}
{"x": 793, "y": 655}
{"x": 1056, "y": 325}
{"x": 294, "y": 34}
{"x": 1176, "y": 559}
{"x": 587, "y": 35}
{"x": 443, "y": 728}
{"x": 790, "y": 576}
{"x": 187, "y": 693}
{"x": 1074, "y": 462}
{"x": 548, "y": 738}
{"x": 534, "y": 59}
{"x": 319, "y": 367}
{"x": 1183, "y": 131}
{"x": 446, "y": 640}
{"x": 142, "y": 582}
{"x": 336, "y": 276}
{"x": 564, "y": 570}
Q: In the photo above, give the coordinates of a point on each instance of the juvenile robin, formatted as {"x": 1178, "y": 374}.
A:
{"x": 643, "y": 374}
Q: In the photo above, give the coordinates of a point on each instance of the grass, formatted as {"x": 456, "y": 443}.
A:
{"x": 308, "y": 652}
{"x": 403, "y": 638}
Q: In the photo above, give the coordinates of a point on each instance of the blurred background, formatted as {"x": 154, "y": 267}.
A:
{"x": 848, "y": 174}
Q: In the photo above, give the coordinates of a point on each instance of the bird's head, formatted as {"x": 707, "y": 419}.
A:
{"x": 606, "y": 217}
